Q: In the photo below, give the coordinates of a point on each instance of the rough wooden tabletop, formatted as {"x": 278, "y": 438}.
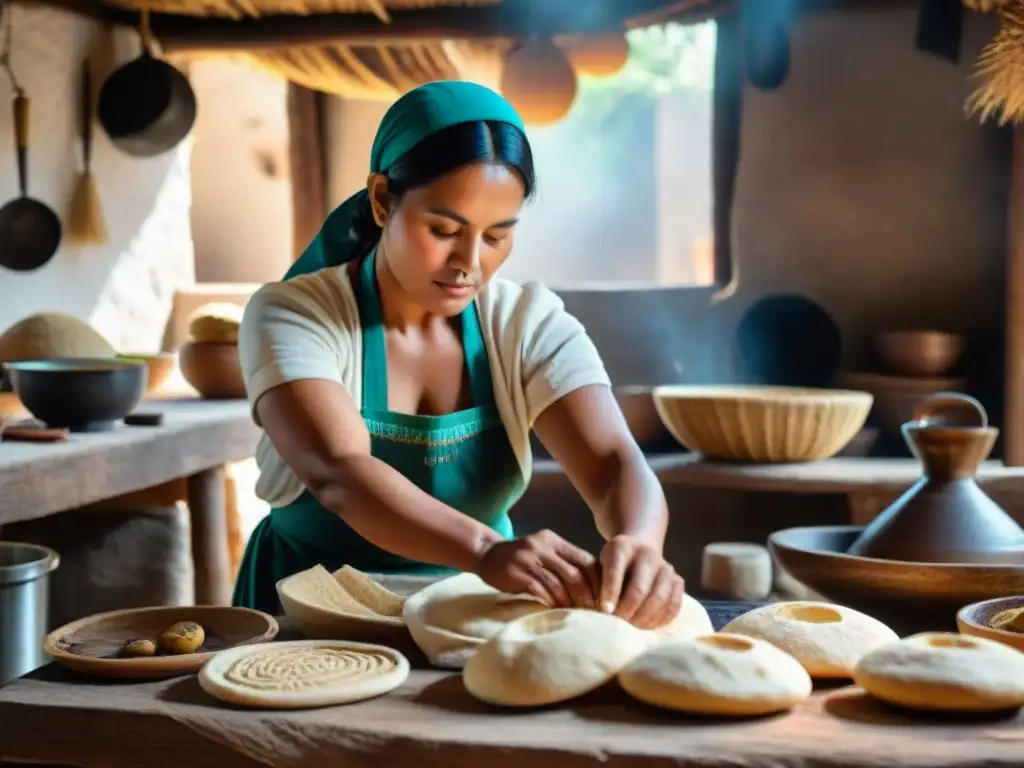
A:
{"x": 839, "y": 475}
{"x": 432, "y": 722}
{"x": 39, "y": 479}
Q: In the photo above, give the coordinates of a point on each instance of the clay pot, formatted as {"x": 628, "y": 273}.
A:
{"x": 919, "y": 353}
{"x": 945, "y": 517}
{"x": 212, "y": 368}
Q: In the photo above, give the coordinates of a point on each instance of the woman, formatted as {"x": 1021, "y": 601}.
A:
{"x": 397, "y": 382}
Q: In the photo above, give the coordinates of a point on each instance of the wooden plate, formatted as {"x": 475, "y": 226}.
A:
{"x": 93, "y": 645}
{"x": 974, "y": 620}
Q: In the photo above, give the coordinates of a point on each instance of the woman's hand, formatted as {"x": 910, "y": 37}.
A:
{"x": 638, "y": 584}
{"x": 545, "y": 565}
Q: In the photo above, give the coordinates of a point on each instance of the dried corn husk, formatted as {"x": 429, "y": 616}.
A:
{"x": 1001, "y": 69}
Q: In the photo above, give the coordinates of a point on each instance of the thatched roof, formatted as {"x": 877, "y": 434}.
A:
{"x": 237, "y": 9}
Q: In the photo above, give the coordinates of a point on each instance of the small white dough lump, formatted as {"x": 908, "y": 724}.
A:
{"x": 940, "y": 671}
{"x": 552, "y": 657}
{"x": 718, "y": 674}
{"x": 827, "y": 639}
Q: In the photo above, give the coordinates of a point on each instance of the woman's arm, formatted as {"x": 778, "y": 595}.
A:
{"x": 319, "y": 433}
{"x": 587, "y": 435}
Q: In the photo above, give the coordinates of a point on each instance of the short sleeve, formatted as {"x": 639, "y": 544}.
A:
{"x": 558, "y": 355}
{"x": 290, "y": 331}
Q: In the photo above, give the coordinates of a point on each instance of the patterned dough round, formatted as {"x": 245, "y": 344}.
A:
{"x": 827, "y": 639}
{"x": 303, "y": 674}
{"x": 939, "y": 671}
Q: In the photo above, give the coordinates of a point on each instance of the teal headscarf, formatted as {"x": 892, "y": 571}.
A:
{"x": 418, "y": 114}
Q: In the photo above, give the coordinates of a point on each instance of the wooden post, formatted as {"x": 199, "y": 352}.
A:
{"x": 308, "y": 160}
{"x": 1013, "y": 420}
{"x": 212, "y": 561}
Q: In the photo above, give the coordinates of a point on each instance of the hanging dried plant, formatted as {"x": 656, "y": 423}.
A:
{"x": 987, "y": 6}
{"x": 1001, "y": 68}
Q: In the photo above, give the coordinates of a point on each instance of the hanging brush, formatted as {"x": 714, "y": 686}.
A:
{"x": 1001, "y": 70}
{"x": 86, "y": 225}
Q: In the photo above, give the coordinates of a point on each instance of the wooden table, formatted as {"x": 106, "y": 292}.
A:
{"x": 52, "y": 716}
{"x": 869, "y": 484}
{"x": 431, "y": 722}
{"x": 195, "y": 441}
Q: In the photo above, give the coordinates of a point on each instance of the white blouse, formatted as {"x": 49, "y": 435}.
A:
{"x": 308, "y": 328}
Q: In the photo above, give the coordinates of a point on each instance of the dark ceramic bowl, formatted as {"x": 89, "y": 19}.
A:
{"x": 974, "y": 620}
{"x": 79, "y": 394}
{"x": 909, "y": 597}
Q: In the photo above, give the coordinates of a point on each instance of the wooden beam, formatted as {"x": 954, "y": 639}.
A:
{"x": 1013, "y": 410}
{"x": 307, "y": 158}
{"x": 510, "y": 19}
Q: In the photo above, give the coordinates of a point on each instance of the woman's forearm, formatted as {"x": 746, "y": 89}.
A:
{"x": 388, "y": 510}
{"x": 634, "y": 503}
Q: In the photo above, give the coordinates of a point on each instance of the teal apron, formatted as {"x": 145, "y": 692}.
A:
{"x": 462, "y": 459}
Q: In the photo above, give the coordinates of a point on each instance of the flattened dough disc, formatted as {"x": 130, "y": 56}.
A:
{"x": 303, "y": 674}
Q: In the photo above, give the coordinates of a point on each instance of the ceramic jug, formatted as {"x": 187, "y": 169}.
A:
{"x": 945, "y": 517}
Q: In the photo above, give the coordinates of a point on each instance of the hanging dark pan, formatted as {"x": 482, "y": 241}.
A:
{"x": 147, "y": 106}
{"x": 30, "y": 232}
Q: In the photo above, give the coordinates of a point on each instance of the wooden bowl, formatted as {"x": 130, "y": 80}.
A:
{"x": 909, "y": 597}
{"x": 212, "y": 368}
{"x": 79, "y": 394}
{"x": 160, "y": 366}
{"x": 974, "y": 620}
{"x": 767, "y": 424}
{"x": 919, "y": 353}
{"x": 92, "y": 645}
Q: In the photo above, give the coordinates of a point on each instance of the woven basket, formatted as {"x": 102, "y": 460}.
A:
{"x": 764, "y": 424}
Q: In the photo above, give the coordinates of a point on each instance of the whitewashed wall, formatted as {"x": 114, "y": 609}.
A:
{"x": 125, "y": 287}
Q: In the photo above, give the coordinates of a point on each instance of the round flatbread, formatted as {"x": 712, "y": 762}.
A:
{"x": 302, "y": 674}
{"x": 827, "y": 639}
{"x": 554, "y": 656}
{"x": 939, "y": 671}
{"x": 718, "y": 674}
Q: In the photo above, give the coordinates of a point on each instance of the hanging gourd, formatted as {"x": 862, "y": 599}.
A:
{"x": 598, "y": 55}
{"x": 539, "y": 81}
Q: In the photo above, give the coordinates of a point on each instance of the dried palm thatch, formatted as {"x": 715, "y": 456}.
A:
{"x": 987, "y": 6}
{"x": 1001, "y": 69}
{"x": 238, "y": 9}
{"x": 382, "y": 71}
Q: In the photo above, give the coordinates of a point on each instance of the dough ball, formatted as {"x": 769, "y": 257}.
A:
{"x": 827, "y": 639}
{"x": 718, "y": 674}
{"x": 691, "y": 621}
{"x": 942, "y": 671}
{"x": 183, "y": 637}
{"x": 554, "y": 656}
{"x": 451, "y": 618}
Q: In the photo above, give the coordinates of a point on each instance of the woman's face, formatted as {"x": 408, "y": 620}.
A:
{"x": 443, "y": 242}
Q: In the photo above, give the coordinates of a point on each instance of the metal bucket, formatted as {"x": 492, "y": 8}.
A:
{"x": 24, "y": 602}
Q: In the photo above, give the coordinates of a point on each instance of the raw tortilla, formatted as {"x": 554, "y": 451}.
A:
{"x": 302, "y": 674}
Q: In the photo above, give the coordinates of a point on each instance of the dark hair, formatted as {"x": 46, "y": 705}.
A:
{"x": 445, "y": 151}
